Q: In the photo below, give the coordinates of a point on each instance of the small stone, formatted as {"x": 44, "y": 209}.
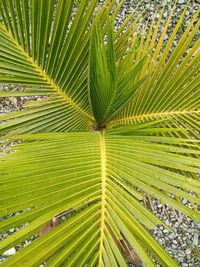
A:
{"x": 195, "y": 240}
{"x": 184, "y": 201}
{"x": 183, "y": 245}
{"x": 181, "y": 253}
{"x": 187, "y": 13}
{"x": 188, "y": 251}
{"x": 165, "y": 14}
{"x": 171, "y": 236}
{"x": 157, "y": 15}
{"x": 9, "y": 252}
{"x": 167, "y": 222}
{"x": 5, "y": 235}
{"x": 176, "y": 225}
{"x": 181, "y": 2}
{"x": 189, "y": 257}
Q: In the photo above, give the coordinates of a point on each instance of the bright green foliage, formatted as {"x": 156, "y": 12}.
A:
{"x": 119, "y": 125}
{"x": 108, "y": 84}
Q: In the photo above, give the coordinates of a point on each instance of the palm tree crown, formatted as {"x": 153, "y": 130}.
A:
{"x": 118, "y": 123}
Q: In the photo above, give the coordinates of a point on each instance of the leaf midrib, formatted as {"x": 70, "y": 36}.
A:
{"x": 103, "y": 195}
{"x": 151, "y": 116}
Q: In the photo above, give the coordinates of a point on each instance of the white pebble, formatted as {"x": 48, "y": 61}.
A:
{"x": 195, "y": 240}
{"x": 188, "y": 251}
{"x": 10, "y": 251}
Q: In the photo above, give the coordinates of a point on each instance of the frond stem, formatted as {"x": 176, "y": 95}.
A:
{"x": 150, "y": 116}
{"x": 103, "y": 195}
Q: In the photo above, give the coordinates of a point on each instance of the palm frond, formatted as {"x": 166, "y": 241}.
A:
{"x": 112, "y": 83}
{"x": 171, "y": 88}
{"x": 109, "y": 166}
{"x": 120, "y": 120}
{"x": 49, "y": 63}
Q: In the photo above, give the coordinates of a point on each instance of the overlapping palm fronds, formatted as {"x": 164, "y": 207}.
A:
{"x": 120, "y": 120}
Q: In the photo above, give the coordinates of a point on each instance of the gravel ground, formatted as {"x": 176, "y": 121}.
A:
{"x": 183, "y": 244}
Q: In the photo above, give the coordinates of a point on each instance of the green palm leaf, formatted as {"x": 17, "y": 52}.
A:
{"x": 119, "y": 121}
{"x": 100, "y": 170}
{"x": 57, "y": 68}
{"x": 110, "y": 85}
{"x": 171, "y": 87}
